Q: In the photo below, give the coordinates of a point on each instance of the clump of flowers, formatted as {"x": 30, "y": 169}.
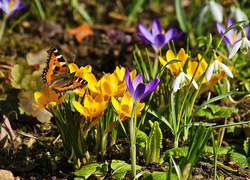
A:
{"x": 157, "y": 38}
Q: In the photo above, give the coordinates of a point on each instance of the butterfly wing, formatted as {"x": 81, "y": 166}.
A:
{"x": 57, "y": 76}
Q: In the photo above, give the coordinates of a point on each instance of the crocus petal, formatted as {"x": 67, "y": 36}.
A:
{"x": 177, "y": 36}
{"x": 234, "y": 49}
{"x": 40, "y": 98}
{"x": 247, "y": 30}
{"x": 128, "y": 82}
{"x": 140, "y": 89}
{"x": 78, "y": 106}
{"x": 37, "y": 106}
{"x": 151, "y": 86}
{"x": 209, "y": 72}
{"x": 144, "y": 39}
{"x": 159, "y": 41}
{"x": 226, "y": 69}
{"x": 145, "y": 32}
{"x": 216, "y": 10}
{"x": 220, "y": 28}
{"x": 230, "y": 22}
{"x": 138, "y": 79}
{"x": 156, "y": 27}
{"x": 170, "y": 34}
{"x": 203, "y": 12}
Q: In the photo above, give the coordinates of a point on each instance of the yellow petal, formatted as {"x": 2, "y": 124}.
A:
{"x": 73, "y": 67}
{"x": 162, "y": 61}
{"x": 50, "y": 104}
{"x": 37, "y": 106}
{"x": 115, "y": 104}
{"x": 219, "y": 58}
{"x": 40, "y": 98}
{"x": 88, "y": 101}
{"x": 106, "y": 88}
{"x": 182, "y": 55}
{"x": 170, "y": 55}
{"x": 61, "y": 99}
{"x": 78, "y": 106}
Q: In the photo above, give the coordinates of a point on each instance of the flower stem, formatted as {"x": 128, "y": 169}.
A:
{"x": 5, "y": 17}
{"x": 133, "y": 140}
{"x": 156, "y": 62}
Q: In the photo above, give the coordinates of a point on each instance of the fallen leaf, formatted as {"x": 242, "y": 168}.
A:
{"x": 81, "y": 32}
{"x": 26, "y": 98}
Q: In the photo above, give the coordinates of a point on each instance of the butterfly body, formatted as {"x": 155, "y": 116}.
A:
{"x": 57, "y": 75}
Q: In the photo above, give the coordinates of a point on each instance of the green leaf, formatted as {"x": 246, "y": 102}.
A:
{"x": 180, "y": 16}
{"x": 236, "y": 129}
{"x": 154, "y": 144}
{"x": 160, "y": 117}
{"x": 33, "y": 82}
{"x": 18, "y": 72}
{"x": 99, "y": 169}
{"x": 120, "y": 169}
{"x": 221, "y": 151}
{"x": 158, "y": 175}
{"x": 246, "y": 147}
{"x": 210, "y": 101}
{"x": 177, "y": 152}
{"x": 240, "y": 160}
{"x": 215, "y": 111}
{"x": 141, "y": 138}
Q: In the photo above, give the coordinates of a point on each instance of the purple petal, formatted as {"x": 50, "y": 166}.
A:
{"x": 230, "y": 22}
{"x": 144, "y": 38}
{"x": 156, "y": 27}
{"x": 139, "y": 92}
{"x": 19, "y": 8}
{"x": 145, "y": 32}
{"x": 177, "y": 36}
{"x": 247, "y": 29}
{"x": 159, "y": 41}
{"x": 151, "y": 86}
{"x": 170, "y": 34}
{"x": 227, "y": 41}
{"x": 220, "y": 28}
{"x": 138, "y": 79}
{"x": 128, "y": 82}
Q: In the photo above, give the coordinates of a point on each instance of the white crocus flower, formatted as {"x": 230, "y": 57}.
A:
{"x": 216, "y": 10}
{"x": 215, "y": 68}
{"x": 181, "y": 80}
{"x": 243, "y": 44}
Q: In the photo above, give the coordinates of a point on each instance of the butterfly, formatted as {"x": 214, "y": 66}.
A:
{"x": 57, "y": 76}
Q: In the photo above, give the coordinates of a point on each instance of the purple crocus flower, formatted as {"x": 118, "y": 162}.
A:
{"x": 137, "y": 88}
{"x": 156, "y": 38}
{"x": 231, "y": 37}
{"x": 11, "y": 6}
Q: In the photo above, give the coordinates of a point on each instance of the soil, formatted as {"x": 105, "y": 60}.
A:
{"x": 28, "y": 158}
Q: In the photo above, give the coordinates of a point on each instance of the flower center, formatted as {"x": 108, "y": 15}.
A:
{"x": 234, "y": 36}
{"x": 12, "y": 4}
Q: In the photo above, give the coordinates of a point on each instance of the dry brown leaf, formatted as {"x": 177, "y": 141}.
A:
{"x": 81, "y": 32}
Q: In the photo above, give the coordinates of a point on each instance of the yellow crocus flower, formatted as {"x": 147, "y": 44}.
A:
{"x": 46, "y": 98}
{"x": 93, "y": 107}
{"x": 174, "y": 67}
{"x": 124, "y": 108}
